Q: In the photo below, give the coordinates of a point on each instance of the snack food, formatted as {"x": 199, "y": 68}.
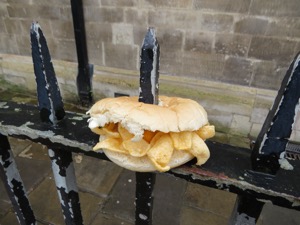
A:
{"x": 145, "y": 137}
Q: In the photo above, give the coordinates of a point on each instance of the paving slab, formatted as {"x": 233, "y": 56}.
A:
{"x": 168, "y": 196}
{"x": 210, "y": 200}
{"x": 196, "y": 216}
{"x": 46, "y": 206}
{"x": 109, "y": 220}
{"x": 18, "y": 145}
{"x": 120, "y": 203}
{"x": 94, "y": 175}
{"x": 275, "y": 215}
{"x": 33, "y": 168}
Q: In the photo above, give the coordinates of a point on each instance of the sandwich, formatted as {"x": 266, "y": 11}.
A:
{"x": 146, "y": 137}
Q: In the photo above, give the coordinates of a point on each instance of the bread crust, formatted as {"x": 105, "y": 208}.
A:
{"x": 173, "y": 114}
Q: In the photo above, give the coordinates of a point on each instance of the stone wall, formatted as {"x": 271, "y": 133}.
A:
{"x": 245, "y": 42}
{"x": 229, "y": 55}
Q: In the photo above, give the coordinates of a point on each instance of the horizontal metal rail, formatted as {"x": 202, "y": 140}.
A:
{"x": 229, "y": 168}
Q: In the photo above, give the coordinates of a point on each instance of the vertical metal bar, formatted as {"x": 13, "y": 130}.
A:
{"x": 148, "y": 94}
{"x": 50, "y": 102}
{"x": 144, "y": 200}
{"x": 149, "y": 69}
{"x": 14, "y": 184}
{"x": 85, "y": 70}
{"x": 64, "y": 175}
{"x": 51, "y": 110}
{"x": 277, "y": 128}
{"x": 246, "y": 211}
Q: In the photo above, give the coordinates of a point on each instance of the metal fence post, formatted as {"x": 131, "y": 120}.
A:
{"x": 85, "y": 70}
{"x": 148, "y": 94}
{"x": 52, "y": 111}
{"x": 277, "y": 128}
{"x": 14, "y": 184}
{"x": 65, "y": 179}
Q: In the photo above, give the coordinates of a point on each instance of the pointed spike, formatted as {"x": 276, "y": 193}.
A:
{"x": 49, "y": 98}
{"x": 149, "y": 70}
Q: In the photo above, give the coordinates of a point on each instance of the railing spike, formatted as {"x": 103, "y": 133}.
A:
{"x": 49, "y": 99}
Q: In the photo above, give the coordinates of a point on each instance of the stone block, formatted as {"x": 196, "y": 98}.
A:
{"x": 170, "y": 39}
{"x": 18, "y": 145}
{"x": 98, "y": 31}
{"x": 240, "y": 125}
{"x": 121, "y": 201}
{"x": 186, "y": 4}
{"x": 17, "y": 80}
{"x": 122, "y": 34}
{"x": 199, "y": 41}
{"x": 92, "y": 3}
{"x": 171, "y": 62}
{"x": 255, "y": 129}
{"x": 8, "y": 44}
{"x": 23, "y": 43}
{"x": 220, "y": 120}
{"x": 17, "y": 10}
{"x": 120, "y": 3}
{"x": 121, "y": 56}
{"x": 95, "y": 52}
{"x": 251, "y": 25}
{"x": 239, "y": 141}
{"x": 204, "y": 66}
{"x": 62, "y": 29}
{"x": 33, "y": 11}
{"x": 109, "y": 220}
{"x": 167, "y": 3}
{"x": 168, "y": 197}
{"x": 215, "y": 22}
{"x": 62, "y": 49}
{"x": 96, "y": 176}
{"x": 219, "y": 202}
{"x": 222, "y": 6}
{"x": 66, "y": 13}
{"x": 103, "y": 15}
{"x": 172, "y": 19}
{"x": 3, "y": 10}
{"x": 267, "y": 75}
{"x": 139, "y": 33}
{"x": 284, "y": 27}
{"x": 2, "y": 27}
{"x": 192, "y": 216}
{"x": 13, "y": 26}
{"x": 275, "y": 215}
{"x": 136, "y": 17}
{"x": 232, "y": 44}
{"x": 65, "y": 70}
{"x": 259, "y": 115}
{"x": 237, "y": 70}
{"x": 10, "y": 218}
{"x": 288, "y": 8}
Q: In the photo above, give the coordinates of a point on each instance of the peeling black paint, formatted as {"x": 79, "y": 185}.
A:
{"x": 13, "y": 184}
{"x": 149, "y": 66}
{"x": 273, "y": 137}
{"x": 70, "y": 206}
{"x": 49, "y": 97}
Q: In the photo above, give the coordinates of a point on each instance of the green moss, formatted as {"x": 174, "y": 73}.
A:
{"x": 16, "y": 93}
